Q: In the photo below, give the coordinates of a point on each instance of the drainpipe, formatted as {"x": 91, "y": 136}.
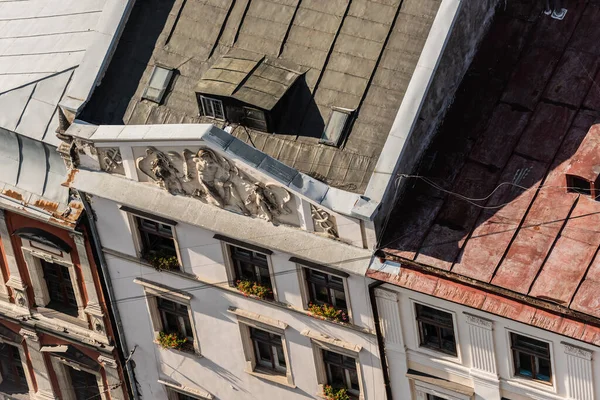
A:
{"x": 104, "y": 276}
{"x": 380, "y": 342}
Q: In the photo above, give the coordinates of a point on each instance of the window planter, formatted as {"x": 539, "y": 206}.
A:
{"x": 332, "y": 393}
{"x": 162, "y": 261}
{"x": 172, "y": 341}
{"x": 253, "y": 289}
{"x": 326, "y": 311}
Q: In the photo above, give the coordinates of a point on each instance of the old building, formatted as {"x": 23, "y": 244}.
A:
{"x": 491, "y": 254}
{"x": 237, "y": 158}
{"x": 56, "y": 335}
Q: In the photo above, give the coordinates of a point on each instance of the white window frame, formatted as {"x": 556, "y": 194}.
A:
{"x": 60, "y": 366}
{"x": 211, "y": 113}
{"x": 340, "y": 135}
{"x": 518, "y": 379}
{"x": 139, "y": 244}
{"x": 158, "y": 99}
{"x": 154, "y": 290}
{"x": 417, "y": 336}
{"x": 305, "y": 290}
{"x": 319, "y": 343}
{"x": 246, "y": 320}
{"x": 230, "y": 267}
{"x": 24, "y": 358}
{"x": 173, "y": 389}
{"x": 422, "y": 389}
{"x": 33, "y": 254}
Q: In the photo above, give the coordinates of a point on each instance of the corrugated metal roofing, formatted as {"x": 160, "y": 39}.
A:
{"x": 355, "y": 52}
{"x": 524, "y": 119}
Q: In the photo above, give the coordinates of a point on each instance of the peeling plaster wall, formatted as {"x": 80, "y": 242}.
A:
{"x": 470, "y": 27}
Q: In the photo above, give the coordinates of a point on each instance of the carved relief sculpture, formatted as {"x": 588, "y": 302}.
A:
{"x": 214, "y": 180}
{"x": 111, "y": 161}
{"x": 324, "y": 222}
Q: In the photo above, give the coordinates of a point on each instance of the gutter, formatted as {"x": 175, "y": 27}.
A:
{"x": 380, "y": 341}
{"x": 113, "y": 311}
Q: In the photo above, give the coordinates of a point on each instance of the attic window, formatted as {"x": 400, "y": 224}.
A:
{"x": 212, "y": 107}
{"x": 580, "y": 185}
{"x": 159, "y": 80}
{"x": 336, "y": 127}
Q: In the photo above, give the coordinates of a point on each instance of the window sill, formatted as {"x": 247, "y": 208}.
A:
{"x": 531, "y": 384}
{"x": 271, "y": 376}
{"x": 440, "y": 355}
{"x": 56, "y": 314}
{"x": 191, "y": 352}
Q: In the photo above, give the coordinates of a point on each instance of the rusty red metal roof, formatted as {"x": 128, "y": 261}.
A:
{"x": 490, "y": 203}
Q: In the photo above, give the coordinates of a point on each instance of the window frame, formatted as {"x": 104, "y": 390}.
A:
{"x": 337, "y": 142}
{"x": 305, "y": 290}
{"x": 202, "y": 98}
{"x": 424, "y": 389}
{"x": 246, "y": 321}
{"x": 174, "y": 389}
{"x": 23, "y": 358}
{"x": 159, "y": 98}
{"x": 152, "y": 292}
{"x": 417, "y": 335}
{"x": 345, "y": 368}
{"x": 421, "y": 344}
{"x": 133, "y": 219}
{"x": 60, "y": 365}
{"x": 33, "y": 257}
{"x": 514, "y": 360}
{"x": 231, "y": 269}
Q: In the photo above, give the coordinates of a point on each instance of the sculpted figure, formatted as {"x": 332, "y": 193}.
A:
{"x": 263, "y": 202}
{"x": 161, "y": 169}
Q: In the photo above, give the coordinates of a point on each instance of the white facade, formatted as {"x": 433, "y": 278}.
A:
{"x": 484, "y": 367}
{"x": 223, "y": 361}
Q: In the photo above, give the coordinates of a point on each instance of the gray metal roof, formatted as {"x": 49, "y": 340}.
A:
{"x": 31, "y": 167}
{"x": 358, "y": 55}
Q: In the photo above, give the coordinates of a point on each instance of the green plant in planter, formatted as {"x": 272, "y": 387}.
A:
{"x": 162, "y": 261}
{"x": 332, "y": 393}
{"x": 171, "y": 340}
{"x": 328, "y": 312}
{"x": 250, "y": 288}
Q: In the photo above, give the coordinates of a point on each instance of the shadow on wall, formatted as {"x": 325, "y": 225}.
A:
{"x": 133, "y": 53}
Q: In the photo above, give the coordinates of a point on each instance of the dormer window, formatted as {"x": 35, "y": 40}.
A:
{"x": 579, "y": 185}
{"x": 248, "y": 89}
{"x": 583, "y": 173}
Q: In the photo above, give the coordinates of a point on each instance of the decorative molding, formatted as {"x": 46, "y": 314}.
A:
{"x": 324, "y": 222}
{"x": 29, "y": 335}
{"x": 215, "y": 180}
{"x": 107, "y": 362}
{"x": 577, "y": 351}
{"x": 386, "y": 294}
{"x": 478, "y": 321}
{"x": 110, "y": 160}
{"x": 351, "y": 348}
{"x": 246, "y": 316}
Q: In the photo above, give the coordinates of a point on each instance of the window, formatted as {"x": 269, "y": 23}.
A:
{"x": 212, "y": 108}
{"x": 60, "y": 288}
{"x": 158, "y": 244}
{"x": 254, "y": 118}
{"x": 268, "y": 350}
{"x": 180, "y": 393}
{"x": 436, "y": 329}
{"x": 12, "y": 371}
{"x": 531, "y": 358}
{"x": 434, "y": 397}
{"x": 579, "y": 185}
{"x": 159, "y": 80}
{"x": 83, "y": 384}
{"x": 175, "y": 319}
{"x": 326, "y": 289}
{"x": 250, "y": 266}
{"x": 341, "y": 371}
{"x": 336, "y": 127}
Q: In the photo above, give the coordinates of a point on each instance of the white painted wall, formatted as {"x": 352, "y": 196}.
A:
{"x": 408, "y": 354}
{"x": 220, "y": 370}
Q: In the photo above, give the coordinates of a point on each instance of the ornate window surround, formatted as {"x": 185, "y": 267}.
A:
{"x": 247, "y": 319}
{"x": 173, "y": 388}
{"x": 153, "y": 290}
{"x": 321, "y": 342}
{"x": 439, "y": 355}
{"x": 33, "y": 253}
{"x": 60, "y": 366}
{"x": 422, "y": 389}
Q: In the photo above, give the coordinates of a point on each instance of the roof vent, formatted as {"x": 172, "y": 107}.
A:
{"x": 583, "y": 173}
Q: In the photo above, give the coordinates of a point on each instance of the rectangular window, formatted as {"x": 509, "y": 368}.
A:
{"x": 268, "y": 350}
{"x": 159, "y": 81}
{"x": 336, "y": 127}
{"x": 341, "y": 372}
{"x": 175, "y": 318}
{"x": 255, "y": 119}
{"x": 326, "y": 289}
{"x": 434, "y": 397}
{"x": 83, "y": 384}
{"x": 60, "y": 288}
{"x": 531, "y": 358}
{"x": 158, "y": 244}
{"x": 11, "y": 369}
{"x": 212, "y": 108}
{"x": 436, "y": 329}
{"x": 250, "y": 266}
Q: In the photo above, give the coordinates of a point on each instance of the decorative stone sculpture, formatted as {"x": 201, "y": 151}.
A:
{"x": 111, "y": 161}
{"x": 324, "y": 222}
{"x": 215, "y": 180}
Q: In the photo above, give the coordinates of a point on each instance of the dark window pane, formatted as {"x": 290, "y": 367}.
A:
{"x": 543, "y": 373}
{"x": 437, "y": 316}
{"x": 84, "y": 384}
{"x": 524, "y": 364}
{"x": 264, "y": 351}
{"x": 335, "y": 375}
{"x": 60, "y": 288}
{"x": 280, "y": 356}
